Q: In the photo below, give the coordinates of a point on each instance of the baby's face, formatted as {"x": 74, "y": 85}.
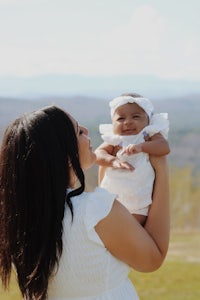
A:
{"x": 129, "y": 119}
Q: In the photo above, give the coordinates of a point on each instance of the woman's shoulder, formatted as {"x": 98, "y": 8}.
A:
{"x": 99, "y": 192}
{"x": 95, "y": 195}
{"x": 90, "y": 208}
{"x": 99, "y": 198}
{"x": 98, "y": 205}
{"x": 94, "y": 203}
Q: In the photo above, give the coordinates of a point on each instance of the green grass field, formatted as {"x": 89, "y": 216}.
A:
{"x": 178, "y": 278}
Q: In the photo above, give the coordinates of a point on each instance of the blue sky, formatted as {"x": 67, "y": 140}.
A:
{"x": 107, "y": 37}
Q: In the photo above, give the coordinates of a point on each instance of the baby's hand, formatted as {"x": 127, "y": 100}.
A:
{"x": 132, "y": 149}
{"x": 117, "y": 164}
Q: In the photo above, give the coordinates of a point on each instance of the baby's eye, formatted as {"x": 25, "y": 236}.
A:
{"x": 120, "y": 119}
{"x": 136, "y": 117}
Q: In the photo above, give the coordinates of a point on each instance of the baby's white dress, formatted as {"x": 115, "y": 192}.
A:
{"x": 87, "y": 270}
{"x": 133, "y": 188}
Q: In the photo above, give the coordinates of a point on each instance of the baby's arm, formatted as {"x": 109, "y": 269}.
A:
{"x": 106, "y": 157}
{"x": 156, "y": 145}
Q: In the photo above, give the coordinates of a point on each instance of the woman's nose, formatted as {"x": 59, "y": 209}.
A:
{"x": 85, "y": 130}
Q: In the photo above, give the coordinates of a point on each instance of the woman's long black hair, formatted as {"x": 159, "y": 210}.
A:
{"x": 36, "y": 151}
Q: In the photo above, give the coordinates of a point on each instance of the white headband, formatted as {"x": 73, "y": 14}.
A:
{"x": 144, "y": 103}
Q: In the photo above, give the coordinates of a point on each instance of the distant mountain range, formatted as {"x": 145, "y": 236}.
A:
{"x": 95, "y": 86}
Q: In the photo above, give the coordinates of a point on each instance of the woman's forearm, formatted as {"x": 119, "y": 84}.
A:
{"x": 158, "y": 221}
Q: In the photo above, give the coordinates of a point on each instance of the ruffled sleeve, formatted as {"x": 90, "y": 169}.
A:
{"x": 98, "y": 206}
{"x": 159, "y": 123}
{"x": 106, "y": 131}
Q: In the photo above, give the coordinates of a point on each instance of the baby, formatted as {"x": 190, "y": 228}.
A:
{"x": 135, "y": 133}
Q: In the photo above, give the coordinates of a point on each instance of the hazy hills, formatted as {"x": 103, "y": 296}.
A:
{"x": 183, "y": 113}
{"x": 102, "y": 86}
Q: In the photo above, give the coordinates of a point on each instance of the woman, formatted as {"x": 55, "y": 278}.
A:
{"x": 65, "y": 243}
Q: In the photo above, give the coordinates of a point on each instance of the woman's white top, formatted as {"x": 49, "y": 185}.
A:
{"x": 133, "y": 188}
{"x": 87, "y": 270}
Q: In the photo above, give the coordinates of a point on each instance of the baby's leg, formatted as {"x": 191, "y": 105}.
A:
{"x": 140, "y": 218}
{"x": 141, "y": 214}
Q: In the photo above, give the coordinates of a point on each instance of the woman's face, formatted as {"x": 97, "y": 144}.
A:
{"x": 86, "y": 154}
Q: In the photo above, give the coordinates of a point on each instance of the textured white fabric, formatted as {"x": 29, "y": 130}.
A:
{"x": 87, "y": 270}
{"x": 133, "y": 189}
{"x": 144, "y": 103}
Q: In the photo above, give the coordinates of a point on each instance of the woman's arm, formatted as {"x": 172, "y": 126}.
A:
{"x": 101, "y": 173}
{"x": 143, "y": 248}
